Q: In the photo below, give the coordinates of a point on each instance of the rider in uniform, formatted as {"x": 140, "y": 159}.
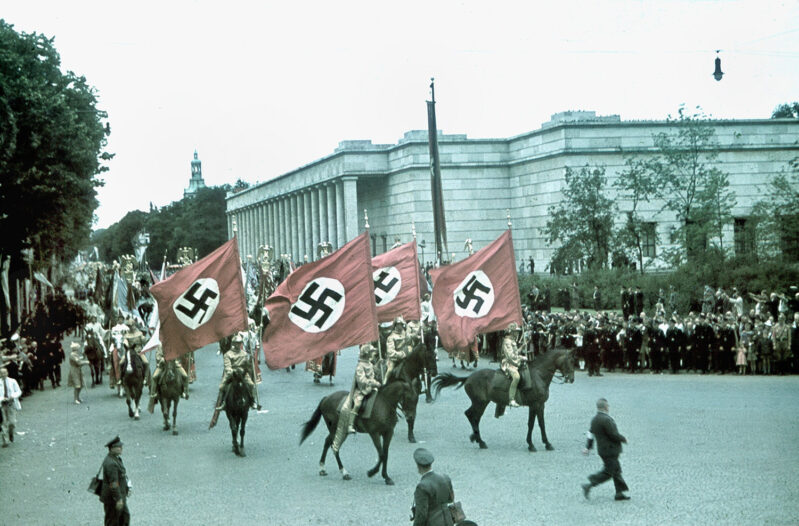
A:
{"x": 396, "y": 346}
{"x": 364, "y": 382}
{"x": 160, "y": 364}
{"x": 134, "y": 340}
{"x": 236, "y": 358}
{"x": 511, "y": 360}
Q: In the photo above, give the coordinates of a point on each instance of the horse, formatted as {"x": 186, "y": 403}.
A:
{"x": 482, "y": 388}
{"x": 379, "y": 426}
{"x": 238, "y": 400}
{"x": 133, "y": 379}
{"x": 170, "y": 386}
{"x": 94, "y": 353}
{"x": 420, "y": 362}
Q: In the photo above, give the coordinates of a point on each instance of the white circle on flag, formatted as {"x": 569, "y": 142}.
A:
{"x": 388, "y": 283}
{"x": 319, "y": 306}
{"x": 474, "y": 297}
{"x": 198, "y": 303}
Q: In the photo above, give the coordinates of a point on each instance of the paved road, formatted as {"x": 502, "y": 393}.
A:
{"x": 702, "y": 450}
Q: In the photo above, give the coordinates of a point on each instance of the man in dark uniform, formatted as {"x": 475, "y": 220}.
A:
{"x": 115, "y": 486}
{"x": 702, "y": 342}
{"x": 432, "y": 494}
{"x": 675, "y": 341}
{"x": 638, "y": 301}
{"x": 625, "y": 303}
{"x": 609, "y": 441}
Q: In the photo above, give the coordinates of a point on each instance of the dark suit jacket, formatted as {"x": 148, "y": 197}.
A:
{"x": 608, "y": 439}
{"x": 115, "y": 480}
{"x": 432, "y": 494}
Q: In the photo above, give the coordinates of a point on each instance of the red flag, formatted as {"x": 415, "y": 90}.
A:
{"x": 201, "y": 303}
{"x": 321, "y": 307}
{"x": 396, "y": 281}
{"x": 477, "y": 295}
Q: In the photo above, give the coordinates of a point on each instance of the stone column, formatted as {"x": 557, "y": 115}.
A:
{"x": 306, "y": 205}
{"x": 324, "y": 235}
{"x": 314, "y": 219}
{"x": 271, "y": 218}
{"x": 351, "y": 210}
{"x": 332, "y": 236}
{"x": 244, "y": 231}
{"x": 295, "y": 221}
{"x": 341, "y": 227}
{"x": 279, "y": 225}
{"x": 301, "y": 222}
{"x": 261, "y": 226}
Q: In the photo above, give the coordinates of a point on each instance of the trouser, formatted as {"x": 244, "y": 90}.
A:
{"x": 514, "y": 382}
{"x": 391, "y": 365}
{"x": 114, "y": 517}
{"x": 610, "y": 470}
{"x": 345, "y": 416}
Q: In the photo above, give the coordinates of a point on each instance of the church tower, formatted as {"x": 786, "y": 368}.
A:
{"x": 196, "y": 182}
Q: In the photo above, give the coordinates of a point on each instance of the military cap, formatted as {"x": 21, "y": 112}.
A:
{"x": 423, "y": 457}
{"x": 114, "y": 442}
{"x": 399, "y": 321}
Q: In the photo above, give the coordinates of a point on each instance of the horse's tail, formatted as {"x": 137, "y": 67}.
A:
{"x": 446, "y": 380}
{"x": 309, "y": 426}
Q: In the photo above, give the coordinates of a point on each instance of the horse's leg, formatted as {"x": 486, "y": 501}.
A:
{"x": 428, "y": 398}
{"x": 474, "y": 414}
{"x": 530, "y": 425}
{"x": 175, "y": 416}
{"x": 136, "y": 412}
{"x": 386, "y": 442}
{"x": 543, "y": 428}
{"x": 234, "y": 430}
{"x": 379, "y": 447}
{"x": 130, "y": 409}
{"x": 409, "y": 408}
{"x": 165, "y": 412}
{"x": 242, "y": 426}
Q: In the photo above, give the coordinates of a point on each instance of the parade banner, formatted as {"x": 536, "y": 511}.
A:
{"x": 201, "y": 303}
{"x": 321, "y": 307}
{"x": 477, "y": 295}
{"x": 396, "y": 281}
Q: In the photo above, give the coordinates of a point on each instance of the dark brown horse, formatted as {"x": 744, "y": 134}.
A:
{"x": 238, "y": 400}
{"x": 421, "y": 362}
{"x": 133, "y": 373}
{"x": 94, "y": 353}
{"x": 491, "y": 385}
{"x": 170, "y": 386}
{"x": 379, "y": 426}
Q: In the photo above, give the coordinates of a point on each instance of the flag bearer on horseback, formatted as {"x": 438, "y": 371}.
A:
{"x": 511, "y": 360}
{"x": 160, "y": 365}
{"x": 364, "y": 383}
{"x": 396, "y": 346}
{"x": 236, "y": 358}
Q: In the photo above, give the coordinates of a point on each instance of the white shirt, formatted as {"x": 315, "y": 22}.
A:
{"x": 12, "y": 391}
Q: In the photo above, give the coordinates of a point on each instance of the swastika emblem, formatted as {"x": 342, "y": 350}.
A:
{"x": 474, "y": 297}
{"x": 197, "y": 305}
{"x": 319, "y": 306}
{"x": 387, "y": 285}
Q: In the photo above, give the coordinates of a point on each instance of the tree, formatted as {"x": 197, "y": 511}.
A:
{"x": 583, "y": 222}
{"x": 777, "y": 215}
{"x": 689, "y": 186}
{"x": 52, "y": 142}
{"x": 635, "y": 185}
{"x": 786, "y": 111}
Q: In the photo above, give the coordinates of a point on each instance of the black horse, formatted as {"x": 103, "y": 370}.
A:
{"x": 491, "y": 385}
{"x": 170, "y": 386}
{"x": 238, "y": 400}
{"x": 421, "y": 362}
{"x": 133, "y": 373}
{"x": 379, "y": 426}
{"x": 94, "y": 353}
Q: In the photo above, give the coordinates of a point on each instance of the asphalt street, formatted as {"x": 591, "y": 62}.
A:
{"x": 704, "y": 450}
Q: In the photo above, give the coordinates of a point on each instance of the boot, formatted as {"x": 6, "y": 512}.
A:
{"x": 512, "y": 398}
{"x": 351, "y": 423}
{"x": 341, "y": 431}
{"x": 151, "y": 404}
{"x": 11, "y": 432}
{"x": 220, "y": 402}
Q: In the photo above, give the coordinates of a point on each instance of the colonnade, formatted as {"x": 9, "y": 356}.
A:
{"x": 296, "y": 222}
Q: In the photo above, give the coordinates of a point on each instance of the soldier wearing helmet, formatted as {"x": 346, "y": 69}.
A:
{"x": 364, "y": 382}
{"x": 396, "y": 346}
{"x": 236, "y": 358}
{"x": 511, "y": 360}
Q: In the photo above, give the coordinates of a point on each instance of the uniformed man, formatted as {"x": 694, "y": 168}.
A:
{"x": 364, "y": 382}
{"x": 134, "y": 340}
{"x": 116, "y": 485}
{"x": 396, "y": 346}
{"x": 511, "y": 360}
{"x": 236, "y": 358}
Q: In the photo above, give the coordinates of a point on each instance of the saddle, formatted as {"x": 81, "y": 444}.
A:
{"x": 368, "y": 404}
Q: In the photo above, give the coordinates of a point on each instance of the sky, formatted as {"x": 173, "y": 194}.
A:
{"x": 261, "y": 88}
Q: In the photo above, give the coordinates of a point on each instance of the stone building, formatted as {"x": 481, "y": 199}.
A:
{"x": 196, "y": 182}
{"x": 482, "y": 179}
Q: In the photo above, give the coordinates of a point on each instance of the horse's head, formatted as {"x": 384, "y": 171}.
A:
{"x": 565, "y": 364}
